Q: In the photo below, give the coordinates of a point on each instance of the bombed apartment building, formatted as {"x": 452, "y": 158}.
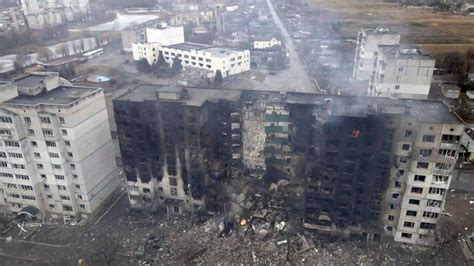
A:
{"x": 173, "y": 140}
{"x": 370, "y": 166}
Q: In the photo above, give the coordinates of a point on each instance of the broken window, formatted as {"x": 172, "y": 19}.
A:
{"x": 419, "y": 178}
{"x": 391, "y": 217}
{"x": 408, "y": 133}
{"x": 427, "y": 226}
{"x": 425, "y": 152}
{"x": 447, "y": 152}
{"x": 440, "y": 179}
{"x": 437, "y": 190}
{"x": 409, "y": 224}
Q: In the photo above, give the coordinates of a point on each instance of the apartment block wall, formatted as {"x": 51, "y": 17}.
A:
{"x": 66, "y": 152}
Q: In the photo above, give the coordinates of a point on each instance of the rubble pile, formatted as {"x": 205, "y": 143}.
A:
{"x": 253, "y": 144}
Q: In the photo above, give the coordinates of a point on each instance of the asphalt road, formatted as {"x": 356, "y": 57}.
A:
{"x": 295, "y": 78}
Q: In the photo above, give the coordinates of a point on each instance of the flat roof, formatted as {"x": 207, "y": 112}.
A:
{"x": 197, "y": 96}
{"x": 430, "y": 111}
{"x": 220, "y": 52}
{"x": 189, "y": 46}
{"x": 379, "y": 30}
{"x": 63, "y": 95}
{"x": 30, "y": 80}
{"x": 404, "y": 52}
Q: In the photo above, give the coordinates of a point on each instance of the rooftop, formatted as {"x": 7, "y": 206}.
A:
{"x": 220, "y": 52}
{"x": 197, "y": 96}
{"x": 62, "y": 95}
{"x": 186, "y": 46}
{"x": 380, "y": 30}
{"x": 403, "y": 52}
{"x": 423, "y": 110}
{"x": 30, "y": 80}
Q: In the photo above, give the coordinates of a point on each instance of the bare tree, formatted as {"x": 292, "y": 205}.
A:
{"x": 45, "y": 53}
{"x": 108, "y": 250}
{"x": 22, "y": 60}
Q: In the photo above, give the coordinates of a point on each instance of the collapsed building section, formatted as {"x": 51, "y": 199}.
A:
{"x": 370, "y": 165}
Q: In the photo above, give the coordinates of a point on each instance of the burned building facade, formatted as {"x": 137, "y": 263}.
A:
{"x": 370, "y": 166}
{"x": 170, "y": 139}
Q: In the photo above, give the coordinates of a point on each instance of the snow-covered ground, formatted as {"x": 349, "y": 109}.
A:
{"x": 122, "y": 22}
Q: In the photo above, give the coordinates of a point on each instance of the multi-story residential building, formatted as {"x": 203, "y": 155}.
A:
{"x": 371, "y": 166}
{"x": 56, "y": 147}
{"x": 11, "y": 19}
{"x": 228, "y": 61}
{"x": 401, "y": 72}
{"x": 40, "y": 13}
{"x": 368, "y": 41}
{"x": 170, "y": 138}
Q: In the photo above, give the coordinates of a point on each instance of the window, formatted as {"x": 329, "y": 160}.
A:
{"x": 65, "y": 197}
{"x": 26, "y": 187}
{"x": 409, "y": 224}
{"x": 54, "y": 155}
{"x": 173, "y": 182}
{"x": 79, "y": 196}
{"x": 67, "y": 208}
{"x": 3, "y": 155}
{"x": 22, "y": 177}
{"x": 395, "y": 195}
{"x": 62, "y": 121}
{"x": 447, "y": 152}
{"x": 73, "y": 166}
{"x": 419, "y": 178}
{"x": 6, "y": 132}
{"x": 440, "y": 179}
{"x": 417, "y": 190}
{"x": 43, "y": 176}
{"x": 427, "y": 226}
{"x": 408, "y": 133}
{"x": 39, "y": 166}
{"x": 398, "y": 184}
{"x": 34, "y": 144}
{"x": 47, "y": 132}
{"x": 411, "y": 213}
{"x": 45, "y": 120}
{"x": 434, "y": 203}
{"x": 400, "y": 69}
{"x": 6, "y": 175}
{"x": 70, "y": 154}
{"x": 428, "y": 138}
{"x": 146, "y": 190}
{"x": 392, "y": 206}
{"x": 406, "y": 147}
{"x": 450, "y": 138}
{"x": 57, "y": 166}
{"x": 414, "y": 202}
{"x": 397, "y": 87}
{"x": 26, "y": 197}
{"x": 15, "y": 155}
{"x": 46, "y": 186}
{"x": 37, "y": 155}
{"x": 31, "y": 132}
{"x": 52, "y": 207}
{"x": 50, "y": 143}
{"x": 59, "y": 177}
{"x": 49, "y": 196}
{"x": 443, "y": 166}
{"x": 27, "y": 120}
{"x": 12, "y": 143}
{"x": 391, "y": 217}
{"x": 3, "y": 164}
{"x": 61, "y": 187}
{"x": 425, "y": 152}
{"x": 432, "y": 215}
{"x": 18, "y": 166}
{"x": 389, "y": 228}
{"x": 6, "y": 119}
{"x": 14, "y": 195}
{"x": 437, "y": 190}
{"x": 67, "y": 143}
{"x": 82, "y": 206}
{"x": 78, "y": 186}
{"x": 174, "y": 191}
{"x": 64, "y": 132}
{"x": 423, "y": 165}
{"x": 74, "y": 176}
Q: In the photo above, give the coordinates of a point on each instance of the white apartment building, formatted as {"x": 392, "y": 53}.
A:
{"x": 40, "y": 13}
{"x": 401, "y": 72}
{"x": 11, "y": 19}
{"x": 368, "y": 41}
{"x": 165, "y": 35}
{"x": 228, "y": 61}
{"x": 56, "y": 150}
{"x": 426, "y": 151}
